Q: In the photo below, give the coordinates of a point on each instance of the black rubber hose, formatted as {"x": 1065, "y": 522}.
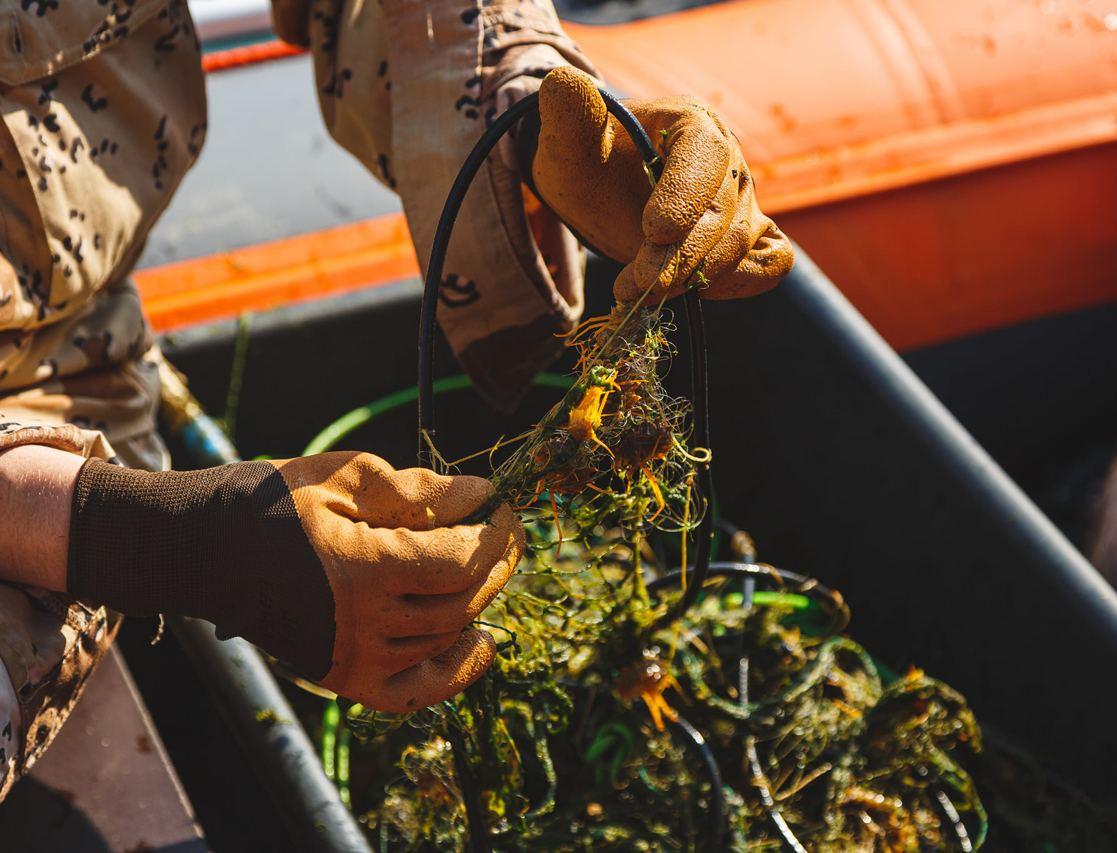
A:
{"x": 838, "y": 616}
{"x": 479, "y": 841}
{"x": 729, "y": 569}
{"x": 695, "y": 325}
{"x": 713, "y": 774}
{"x": 472, "y": 165}
{"x": 474, "y": 815}
{"x": 507, "y": 120}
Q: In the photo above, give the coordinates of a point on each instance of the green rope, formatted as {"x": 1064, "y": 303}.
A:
{"x": 347, "y": 423}
{"x": 328, "y": 744}
{"x": 228, "y": 419}
{"x": 343, "y": 737}
{"x": 783, "y": 599}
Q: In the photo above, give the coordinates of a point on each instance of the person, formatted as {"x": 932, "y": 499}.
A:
{"x": 360, "y": 576}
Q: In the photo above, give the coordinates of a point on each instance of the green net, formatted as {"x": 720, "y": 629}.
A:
{"x": 609, "y": 721}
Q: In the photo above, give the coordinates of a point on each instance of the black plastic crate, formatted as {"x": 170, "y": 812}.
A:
{"x": 827, "y": 448}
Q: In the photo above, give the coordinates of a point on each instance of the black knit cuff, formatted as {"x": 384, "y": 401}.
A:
{"x": 223, "y": 544}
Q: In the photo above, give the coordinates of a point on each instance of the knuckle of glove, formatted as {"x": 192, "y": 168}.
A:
{"x": 505, "y": 520}
{"x": 424, "y": 683}
{"x": 370, "y": 469}
{"x": 412, "y": 583}
{"x": 393, "y": 554}
{"x": 508, "y": 534}
{"x": 703, "y": 216}
{"x": 698, "y": 162}
{"x": 426, "y": 500}
{"x": 337, "y": 477}
{"x": 751, "y": 259}
{"x": 572, "y": 113}
{"x": 586, "y": 169}
{"x": 407, "y": 577}
{"x": 759, "y": 271}
{"x": 667, "y": 269}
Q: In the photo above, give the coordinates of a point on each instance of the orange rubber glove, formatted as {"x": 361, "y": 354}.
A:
{"x": 702, "y": 216}
{"x": 360, "y": 576}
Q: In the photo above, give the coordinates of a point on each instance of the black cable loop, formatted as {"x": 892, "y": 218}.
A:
{"x": 501, "y": 125}
{"x": 830, "y": 600}
{"x": 472, "y": 165}
{"x": 474, "y": 813}
{"x": 713, "y": 774}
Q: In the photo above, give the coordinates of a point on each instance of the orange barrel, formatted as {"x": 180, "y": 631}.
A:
{"x": 951, "y": 164}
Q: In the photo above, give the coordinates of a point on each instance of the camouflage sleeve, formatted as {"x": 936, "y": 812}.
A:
{"x": 84, "y": 442}
{"x": 407, "y": 87}
{"x": 102, "y": 111}
{"x": 48, "y": 644}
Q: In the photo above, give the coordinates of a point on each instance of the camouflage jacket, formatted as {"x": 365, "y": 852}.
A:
{"x": 104, "y": 111}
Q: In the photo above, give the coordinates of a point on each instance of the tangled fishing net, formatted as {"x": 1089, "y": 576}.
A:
{"x": 620, "y": 716}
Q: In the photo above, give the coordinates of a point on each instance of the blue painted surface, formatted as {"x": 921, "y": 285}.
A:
{"x": 207, "y": 443}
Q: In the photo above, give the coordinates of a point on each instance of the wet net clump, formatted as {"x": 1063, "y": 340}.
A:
{"x": 625, "y": 710}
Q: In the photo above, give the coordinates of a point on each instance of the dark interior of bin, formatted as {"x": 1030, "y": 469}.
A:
{"x": 810, "y": 455}
{"x": 1039, "y": 397}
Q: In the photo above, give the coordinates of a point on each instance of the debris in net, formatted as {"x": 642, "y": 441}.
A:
{"x": 749, "y": 722}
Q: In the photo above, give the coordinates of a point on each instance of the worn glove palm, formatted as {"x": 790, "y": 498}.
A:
{"x": 360, "y": 576}
{"x": 702, "y": 216}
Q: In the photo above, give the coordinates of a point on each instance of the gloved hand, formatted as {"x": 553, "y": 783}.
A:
{"x": 702, "y": 215}
{"x": 360, "y": 576}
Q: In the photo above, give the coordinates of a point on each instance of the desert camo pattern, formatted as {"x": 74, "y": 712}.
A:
{"x": 104, "y": 111}
{"x": 408, "y": 87}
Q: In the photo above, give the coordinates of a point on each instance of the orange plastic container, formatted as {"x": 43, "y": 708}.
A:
{"x": 951, "y": 164}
